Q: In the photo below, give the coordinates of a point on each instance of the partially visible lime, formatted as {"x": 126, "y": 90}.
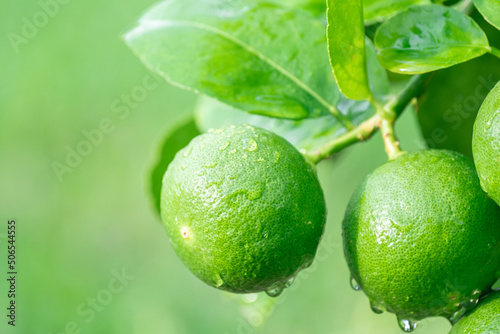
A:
{"x": 484, "y": 319}
{"x": 243, "y": 209}
{"x": 486, "y": 143}
{"x": 421, "y": 238}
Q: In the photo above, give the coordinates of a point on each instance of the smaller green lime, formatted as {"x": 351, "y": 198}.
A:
{"x": 484, "y": 319}
{"x": 243, "y": 209}
{"x": 486, "y": 144}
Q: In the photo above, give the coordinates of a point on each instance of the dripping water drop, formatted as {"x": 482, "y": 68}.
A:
{"x": 407, "y": 325}
{"x": 355, "y": 285}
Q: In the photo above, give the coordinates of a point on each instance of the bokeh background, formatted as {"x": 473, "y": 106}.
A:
{"x": 80, "y": 231}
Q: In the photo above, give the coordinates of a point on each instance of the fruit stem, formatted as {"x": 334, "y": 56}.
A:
{"x": 390, "y": 141}
{"x": 385, "y": 113}
{"x": 365, "y": 130}
{"x": 494, "y": 51}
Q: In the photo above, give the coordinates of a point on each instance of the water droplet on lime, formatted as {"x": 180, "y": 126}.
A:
{"x": 224, "y": 146}
{"x": 187, "y": 152}
{"x": 355, "y": 285}
{"x": 275, "y": 291}
{"x": 469, "y": 304}
{"x": 407, "y": 325}
{"x": 289, "y": 282}
{"x": 377, "y": 308}
{"x": 249, "y": 145}
{"x": 210, "y": 165}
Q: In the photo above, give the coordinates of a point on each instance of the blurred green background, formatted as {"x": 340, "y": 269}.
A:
{"x": 76, "y": 235}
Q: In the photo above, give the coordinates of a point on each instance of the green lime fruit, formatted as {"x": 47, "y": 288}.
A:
{"x": 243, "y": 209}
{"x": 486, "y": 144}
{"x": 421, "y": 238}
{"x": 484, "y": 319}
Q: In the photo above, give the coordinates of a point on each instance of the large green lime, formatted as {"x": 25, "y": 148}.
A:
{"x": 486, "y": 144}
{"x": 484, "y": 319}
{"x": 421, "y": 238}
{"x": 243, "y": 209}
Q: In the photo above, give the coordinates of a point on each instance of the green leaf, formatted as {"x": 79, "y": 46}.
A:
{"x": 490, "y": 9}
{"x": 315, "y": 6}
{"x": 174, "y": 141}
{"x": 377, "y": 75}
{"x": 380, "y": 10}
{"x": 259, "y": 58}
{"x": 306, "y": 135}
{"x": 346, "y": 47}
{"x": 427, "y": 38}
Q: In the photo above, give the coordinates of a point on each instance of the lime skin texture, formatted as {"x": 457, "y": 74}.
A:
{"x": 486, "y": 143}
{"x": 243, "y": 209}
{"x": 421, "y": 238}
{"x": 484, "y": 319}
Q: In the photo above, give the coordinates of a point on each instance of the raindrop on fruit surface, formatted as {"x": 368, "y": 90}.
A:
{"x": 275, "y": 291}
{"x": 249, "y": 145}
{"x": 355, "y": 285}
{"x": 469, "y": 304}
{"x": 407, "y": 325}
{"x": 187, "y": 152}
{"x": 289, "y": 282}
{"x": 376, "y": 307}
{"x": 224, "y": 146}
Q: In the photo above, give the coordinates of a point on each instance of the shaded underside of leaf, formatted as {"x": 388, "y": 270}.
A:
{"x": 377, "y": 75}
{"x": 174, "y": 141}
{"x": 306, "y": 135}
{"x": 426, "y": 38}
{"x": 346, "y": 47}
{"x": 259, "y": 58}
{"x": 490, "y": 9}
{"x": 448, "y": 108}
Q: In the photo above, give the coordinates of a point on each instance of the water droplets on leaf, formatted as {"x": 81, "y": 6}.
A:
{"x": 355, "y": 285}
{"x": 407, "y": 325}
{"x": 289, "y": 282}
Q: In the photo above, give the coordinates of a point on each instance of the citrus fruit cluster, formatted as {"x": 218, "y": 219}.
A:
{"x": 245, "y": 212}
{"x": 243, "y": 209}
